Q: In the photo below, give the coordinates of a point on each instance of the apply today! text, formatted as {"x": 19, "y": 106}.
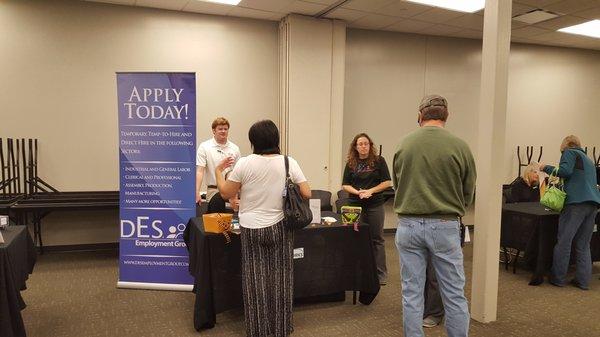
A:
{"x": 152, "y": 103}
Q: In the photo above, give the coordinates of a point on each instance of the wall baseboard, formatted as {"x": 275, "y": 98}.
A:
{"x": 81, "y": 247}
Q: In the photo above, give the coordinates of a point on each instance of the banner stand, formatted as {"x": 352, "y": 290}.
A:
{"x": 157, "y": 156}
{"x": 155, "y": 286}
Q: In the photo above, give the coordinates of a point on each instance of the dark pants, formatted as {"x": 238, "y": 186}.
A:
{"x": 375, "y": 217}
{"x": 433, "y": 300}
{"x": 575, "y": 227}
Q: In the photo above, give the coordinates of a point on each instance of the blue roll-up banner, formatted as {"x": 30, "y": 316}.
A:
{"x": 157, "y": 143}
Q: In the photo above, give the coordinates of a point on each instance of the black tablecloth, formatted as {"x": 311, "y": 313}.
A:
{"x": 529, "y": 227}
{"x": 17, "y": 258}
{"x": 336, "y": 259}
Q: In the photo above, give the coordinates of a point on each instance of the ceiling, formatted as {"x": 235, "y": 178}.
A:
{"x": 403, "y": 16}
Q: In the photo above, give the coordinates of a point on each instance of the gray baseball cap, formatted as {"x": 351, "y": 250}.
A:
{"x": 432, "y": 100}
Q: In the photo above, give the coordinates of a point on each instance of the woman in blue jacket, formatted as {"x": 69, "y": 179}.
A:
{"x": 576, "y": 221}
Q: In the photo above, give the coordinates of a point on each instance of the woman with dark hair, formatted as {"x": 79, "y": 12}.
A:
{"x": 267, "y": 246}
{"x": 576, "y": 220}
{"x": 365, "y": 176}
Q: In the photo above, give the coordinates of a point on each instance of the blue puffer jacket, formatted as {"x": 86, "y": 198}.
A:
{"x": 579, "y": 173}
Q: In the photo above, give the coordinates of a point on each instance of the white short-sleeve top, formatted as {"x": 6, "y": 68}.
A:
{"x": 262, "y": 180}
{"x": 210, "y": 154}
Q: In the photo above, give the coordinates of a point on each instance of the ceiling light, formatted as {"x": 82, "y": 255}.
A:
{"x": 226, "y": 2}
{"x": 468, "y": 6}
{"x": 535, "y": 16}
{"x": 590, "y": 28}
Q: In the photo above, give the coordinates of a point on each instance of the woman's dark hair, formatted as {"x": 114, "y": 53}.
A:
{"x": 353, "y": 157}
{"x": 264, "y": 137}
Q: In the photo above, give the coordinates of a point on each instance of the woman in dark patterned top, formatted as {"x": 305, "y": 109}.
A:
{"x": 526, "y": 187}
{"x": 366, "y": 175}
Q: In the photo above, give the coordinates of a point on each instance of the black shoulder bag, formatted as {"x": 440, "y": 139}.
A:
{"x": 296, "y": 212}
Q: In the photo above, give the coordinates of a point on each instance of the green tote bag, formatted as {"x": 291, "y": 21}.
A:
{"x": 554, "y": 197}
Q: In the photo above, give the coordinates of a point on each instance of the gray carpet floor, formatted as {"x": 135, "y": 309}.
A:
{"x": 75, "y": 294}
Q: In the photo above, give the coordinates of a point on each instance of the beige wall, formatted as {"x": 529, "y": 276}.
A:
{"x": 552, "y": 93}
{"x": 58, "y": 84}
{"x": 312, "y": 95}
{"x": 388, "y": 73}
{"x": 58, "y": 63}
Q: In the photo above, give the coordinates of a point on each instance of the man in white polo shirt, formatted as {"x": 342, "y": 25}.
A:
{"x": 210, "y": 153}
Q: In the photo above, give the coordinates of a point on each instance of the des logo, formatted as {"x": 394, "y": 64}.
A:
{"x": 141, "y": 228}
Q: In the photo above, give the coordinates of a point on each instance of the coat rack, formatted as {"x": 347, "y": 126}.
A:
{"x": 595, "y": 157}
{"x": 19, "y": 168}
{"x": 529, "y": 155}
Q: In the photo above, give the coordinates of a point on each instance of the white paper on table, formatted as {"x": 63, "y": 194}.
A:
{"x": 328, "y": 219}
{"x": 467, "y": 235}
{"x": 3, "y": 221}
{"x": 315, "y": 208}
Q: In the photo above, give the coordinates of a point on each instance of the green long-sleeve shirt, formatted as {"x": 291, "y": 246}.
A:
{"x": 434, "y": 174}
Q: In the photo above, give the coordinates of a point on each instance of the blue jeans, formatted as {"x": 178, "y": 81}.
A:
{"x": 418, "y": 239}
{"x": 575, "y": 226}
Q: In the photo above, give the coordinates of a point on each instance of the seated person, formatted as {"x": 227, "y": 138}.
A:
{"x": 218, "y": 205}
{"x": 526, "y": 187}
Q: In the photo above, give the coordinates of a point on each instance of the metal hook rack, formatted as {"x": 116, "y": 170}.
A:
{"x": 596, "y": 157}
{"x": 19, "y": 168}
{"x": 529, "y": 155}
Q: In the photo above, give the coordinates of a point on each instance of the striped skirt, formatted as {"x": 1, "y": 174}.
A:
{"x": 268, "y": 280}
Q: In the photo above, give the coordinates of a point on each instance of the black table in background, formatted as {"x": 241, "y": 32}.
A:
{"x": 17, "y": 258}
{"x": 336, "y": 259}
{"x": 529, "y": 227}
{"x": 7, "y": 201}
{"x": 39, "y": 205}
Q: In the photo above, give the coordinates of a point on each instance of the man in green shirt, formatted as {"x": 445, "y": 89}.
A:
{"x": 434, "y": 177}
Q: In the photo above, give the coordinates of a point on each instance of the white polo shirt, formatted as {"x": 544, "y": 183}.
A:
{"x": 210, "y": 154}
{"x": 261, "y": 194}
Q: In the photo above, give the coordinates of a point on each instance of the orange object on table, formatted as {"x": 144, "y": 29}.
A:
{"x": 217, "y": 222}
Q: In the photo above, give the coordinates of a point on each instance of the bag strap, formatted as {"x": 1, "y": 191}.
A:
{"x": 287, "y": 167}
{"x": 560, "y": 180}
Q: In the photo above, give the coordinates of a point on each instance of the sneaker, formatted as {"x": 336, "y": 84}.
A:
{"x": 431, "y": 321}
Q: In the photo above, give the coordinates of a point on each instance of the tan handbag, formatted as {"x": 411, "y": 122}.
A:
{"x": 218, "y": 223}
